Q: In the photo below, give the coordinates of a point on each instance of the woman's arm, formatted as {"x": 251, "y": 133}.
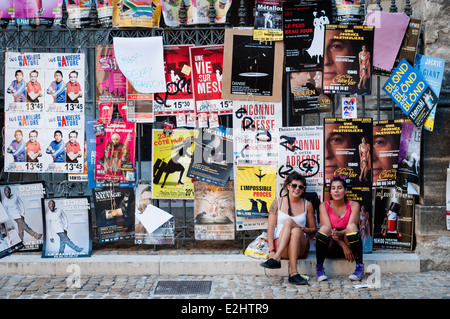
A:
{"x": 271, "y": 224}
{"x": 311, "y": 220}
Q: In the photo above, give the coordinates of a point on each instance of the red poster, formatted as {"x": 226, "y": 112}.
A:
{"x": 207, "y": 70}
{"x": 115, "y": 152}
{"x": 179, "y": 96}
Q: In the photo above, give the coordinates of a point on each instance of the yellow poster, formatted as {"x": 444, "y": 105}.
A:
{"x": 255, "y": 190}
{"x": 171, "y": 158}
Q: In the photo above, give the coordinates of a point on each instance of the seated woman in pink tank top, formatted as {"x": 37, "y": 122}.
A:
{"x": 290, "y": 217}
{"x": 339, "y": 234}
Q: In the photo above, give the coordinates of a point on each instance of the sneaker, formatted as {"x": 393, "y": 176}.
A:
{"x": 320, "y": 273}
{"x": 271, "y": 264}
{"x": 297, "y": 280}
{"x": 359, "y": 273}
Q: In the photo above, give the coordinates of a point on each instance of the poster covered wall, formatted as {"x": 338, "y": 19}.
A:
{"x": 67, "y": 227}
{"x": 22, "y": 203}
{"x": 44, "y": 112}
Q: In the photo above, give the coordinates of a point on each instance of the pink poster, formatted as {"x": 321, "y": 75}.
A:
{"x": 115, "y": 152}
{"x": 111, "y": 83}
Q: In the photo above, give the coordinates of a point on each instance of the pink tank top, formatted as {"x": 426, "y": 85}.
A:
{"x": 336, "y": 222}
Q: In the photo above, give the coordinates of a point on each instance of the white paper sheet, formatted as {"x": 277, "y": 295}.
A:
{"x": 153, "y": 218}
{"x": 141, "y": 60}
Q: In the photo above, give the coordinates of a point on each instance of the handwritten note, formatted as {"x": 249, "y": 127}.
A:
{"x": 141, "y": 60}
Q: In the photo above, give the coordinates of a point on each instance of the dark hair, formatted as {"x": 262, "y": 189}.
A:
{"x": 294, "y": 176}
{"x": 339, "y": 178}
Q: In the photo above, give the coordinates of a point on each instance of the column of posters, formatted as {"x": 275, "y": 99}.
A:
{"x": 22, "y": 203}
{"x": 347, "y": 67}
{"x": 115, "y": 213}
{"x": 172, "y": 155}
{"x": 67, "y": 227}
{"x": 214, "y": 211}
{"x": 44, "y": 112}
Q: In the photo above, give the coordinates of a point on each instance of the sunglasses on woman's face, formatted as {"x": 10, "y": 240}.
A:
{"x": 300, "y": 187}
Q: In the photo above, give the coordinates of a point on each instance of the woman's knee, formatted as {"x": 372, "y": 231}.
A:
{"x": 351, "y": 228}
{"x": 325, "y": 229}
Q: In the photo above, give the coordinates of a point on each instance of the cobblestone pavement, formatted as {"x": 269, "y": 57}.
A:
{"x": 425, "y": 285}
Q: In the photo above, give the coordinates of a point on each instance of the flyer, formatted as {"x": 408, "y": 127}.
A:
{"x": 410, "y": 42}
{"x": 411, "y": 93}
{"x": 253, "y": 69}
{"x": 213, "y": 156}
{"x": 207, "y": 72}
{"x": 6, "y": 15}
{"x": 134, "y": 13}
{"x": 386, "y": 145}
{"x": 432, "y": 70}
{"x": 104, "y": 13}
{"x": 115, "y": 152}
{"x": 22, "y": 203}
{"x": 172, "y": 155}
{"x": 164, "y": 234}
{"x": 393, "y": 226}
{"x": 214, "y": 211}
{"x": 139, "y": 108}
{"x": 9, "y": 237}
{"x": 348, "y": 150}
{"x": 255, "y": 190}
{"x": 408, "y": 177}
{"x": 67, "y": 227}
{"x": 301, "y": 149}
{"x": 115, "y": 213}
{"x": 171, "y": 10}
{"x": 304, "y": 31}
{"x": 348, "y": 59}
{"x": 44, "y": 13}
{"x": 255, "y": 132}
{"x": 388, "y": 25}
{"x": 268, "y": 20}
{"x": 179, "y": 95}
{"x": 221, "y": 7}
{"x": 111, "y": 83}
{"x": 78, "y": 13}
{"x": 306, "y": 93}
{"x": 349, "y": 12}
{"x": 349, "y": 107}
{"x": 44, "y": 112}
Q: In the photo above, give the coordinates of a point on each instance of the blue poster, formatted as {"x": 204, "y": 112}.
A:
{"x": 432, "y": 70}
{"x": 411, "y": 92}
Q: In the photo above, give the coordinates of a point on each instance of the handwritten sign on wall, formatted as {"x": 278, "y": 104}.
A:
{"x": 141, "y": 61}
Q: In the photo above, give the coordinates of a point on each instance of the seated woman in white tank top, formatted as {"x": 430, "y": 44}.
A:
{"x": 288, "y": 217}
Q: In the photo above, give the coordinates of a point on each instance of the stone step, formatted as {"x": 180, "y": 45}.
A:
{"x": 218, "y": 264}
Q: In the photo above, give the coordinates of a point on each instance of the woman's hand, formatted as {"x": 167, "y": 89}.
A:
{"x": 348, "y": 253}
{"x": 271, "y": 253}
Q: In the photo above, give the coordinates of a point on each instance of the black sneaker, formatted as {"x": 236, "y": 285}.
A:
{"x": 271, "y": 264}
{"x": 297, "y": 280}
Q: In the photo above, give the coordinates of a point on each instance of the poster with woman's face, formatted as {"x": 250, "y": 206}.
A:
{"x": 348, "y": 150}
{"x": 348, "y": 54}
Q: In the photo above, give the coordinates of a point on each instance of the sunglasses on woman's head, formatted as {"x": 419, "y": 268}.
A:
{"x": 300, "y": 187}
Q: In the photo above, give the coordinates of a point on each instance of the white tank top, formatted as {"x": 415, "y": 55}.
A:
{"x": 282, "y": 217}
